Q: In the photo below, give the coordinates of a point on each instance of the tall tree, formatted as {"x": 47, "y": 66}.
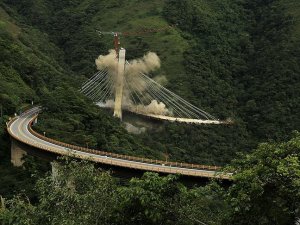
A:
{"x": 267, "y": 185}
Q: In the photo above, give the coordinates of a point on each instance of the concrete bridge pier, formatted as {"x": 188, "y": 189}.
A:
{"x": 54, "y": 170}
{"x": 17, "y": 153}
{"x": 119, "y": 84}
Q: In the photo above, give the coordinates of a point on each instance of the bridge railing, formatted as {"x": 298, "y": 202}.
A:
{"x": 11, "y": 120}
{"x": 120, "y": 156}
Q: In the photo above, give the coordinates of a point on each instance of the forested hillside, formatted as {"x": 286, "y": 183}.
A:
{"x": 27, "y": 64}
{"x": 236, "y": 59}
{"x": 265, "y": 191}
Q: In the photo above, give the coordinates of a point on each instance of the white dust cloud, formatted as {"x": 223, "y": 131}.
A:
{"x": 148, "y": 63}
{"x": 133, "y": 129}
{"x": 162, "y": 80}
{"x": 108, "y": 61}
{"x": 154, "y": 107}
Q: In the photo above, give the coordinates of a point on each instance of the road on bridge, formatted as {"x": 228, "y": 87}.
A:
{"x": 20, "y": 129}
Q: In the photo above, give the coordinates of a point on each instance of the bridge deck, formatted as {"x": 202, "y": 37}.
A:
{"x": 170, "y": 118}
{"x": 20, "y": 129}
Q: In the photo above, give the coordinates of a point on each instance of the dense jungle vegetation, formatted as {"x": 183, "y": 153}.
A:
{"x": 265, "y": 191}
{"x": 237, "y": 59}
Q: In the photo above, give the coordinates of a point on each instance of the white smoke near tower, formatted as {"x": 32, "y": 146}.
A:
{"x": 108, "y": 61}
{"x": 154, "y": 107}
{"x": 146, "y": 64}
{"x": 124, "y": 85}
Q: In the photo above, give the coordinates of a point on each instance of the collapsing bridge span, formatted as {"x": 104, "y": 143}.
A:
{"x": 138, "y": 93}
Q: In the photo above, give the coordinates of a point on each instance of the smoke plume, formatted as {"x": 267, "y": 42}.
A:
{"x": 148, "y": 63}
{"x": 108, "y": 61}
{"x": 154, "y": 107}
{"x": 133, "y": 129}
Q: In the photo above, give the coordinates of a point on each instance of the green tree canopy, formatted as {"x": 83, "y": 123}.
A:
{"x": 78, "y": 193}
{"x": 267, "y": 185}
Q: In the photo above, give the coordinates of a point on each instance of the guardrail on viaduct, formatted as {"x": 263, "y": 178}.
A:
{"x": 145, "y": 163}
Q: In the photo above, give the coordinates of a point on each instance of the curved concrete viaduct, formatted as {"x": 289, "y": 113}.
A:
{"x": 20, "y": 130}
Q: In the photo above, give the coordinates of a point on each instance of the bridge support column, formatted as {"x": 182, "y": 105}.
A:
{"x": 119, "y": 84}
{"x": 35, "y": 121}
{"x": 54, "y": 171}
{"x": 17, "y": 154}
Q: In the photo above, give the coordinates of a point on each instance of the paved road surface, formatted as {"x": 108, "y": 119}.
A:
{"x": 18, "y": 129}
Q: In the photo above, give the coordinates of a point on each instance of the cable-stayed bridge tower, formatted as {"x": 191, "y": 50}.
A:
{"x": 119, "y": 90}
{"x": 119, "y": 84}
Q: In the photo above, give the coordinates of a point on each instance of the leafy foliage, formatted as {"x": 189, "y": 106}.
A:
{"x": 222, "y": 56}
{"x": 265, "y": 190}
{"x": 266, "y": 187}
{"x": 71, "y": 118}
{"x": 82, "y": 194}
{"x": 236, "y": 59}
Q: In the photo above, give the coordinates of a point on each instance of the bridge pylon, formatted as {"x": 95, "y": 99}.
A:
{"x": 119, "y": 84}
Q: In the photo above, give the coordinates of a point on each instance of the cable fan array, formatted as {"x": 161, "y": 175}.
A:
{"x": 143, "y": 95}
{"x": 99, "y": 87}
